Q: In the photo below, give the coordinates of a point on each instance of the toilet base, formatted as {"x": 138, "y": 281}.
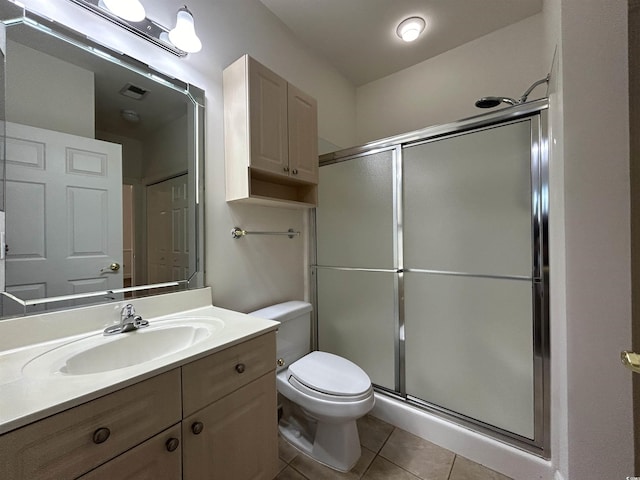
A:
{"x": 335, "y": 445}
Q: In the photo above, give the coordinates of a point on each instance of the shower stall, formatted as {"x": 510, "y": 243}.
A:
{"x": 430, "y": 270}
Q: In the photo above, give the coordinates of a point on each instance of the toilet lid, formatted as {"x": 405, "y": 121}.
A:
{"x": 330, "y": 374}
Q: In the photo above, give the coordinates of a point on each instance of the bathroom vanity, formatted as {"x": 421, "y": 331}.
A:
{"x": 205, "y": 411}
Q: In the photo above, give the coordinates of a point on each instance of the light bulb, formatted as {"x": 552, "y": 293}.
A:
{"x": 130, "y": 10}
{"x": 183, "y": 36}
{"x": 411, "y": 28}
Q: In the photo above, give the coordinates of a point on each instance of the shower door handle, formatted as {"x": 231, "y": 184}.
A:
{"x": 631, "y": 360}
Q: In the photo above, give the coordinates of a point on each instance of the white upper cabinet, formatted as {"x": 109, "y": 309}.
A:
{"x": 271, "y": 137}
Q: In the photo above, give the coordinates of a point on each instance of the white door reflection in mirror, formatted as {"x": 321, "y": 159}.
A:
{"x": 167, "y": 230}
{"x": 64, "y": 206}
{"x": 128, "y": 236}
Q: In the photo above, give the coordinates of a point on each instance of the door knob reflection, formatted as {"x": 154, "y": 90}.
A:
{"x": 631, "y": 360}
{"x": 114, "y": 267}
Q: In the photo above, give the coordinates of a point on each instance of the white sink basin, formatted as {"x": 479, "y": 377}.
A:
{"x": 98, "y": 353}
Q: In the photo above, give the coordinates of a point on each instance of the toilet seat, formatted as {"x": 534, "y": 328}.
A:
{"x": 310, "y": 392}
{"x": 322, "y": 375}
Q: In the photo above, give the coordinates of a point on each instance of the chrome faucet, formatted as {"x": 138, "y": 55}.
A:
{"x": 128, "y": 321}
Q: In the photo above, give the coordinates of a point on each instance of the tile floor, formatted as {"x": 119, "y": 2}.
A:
{"x": 388, "y": 453}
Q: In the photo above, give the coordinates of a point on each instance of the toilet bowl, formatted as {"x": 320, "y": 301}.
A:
{"x": 323, "y": 394}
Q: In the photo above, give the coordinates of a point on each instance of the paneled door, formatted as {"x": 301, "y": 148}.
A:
{"x": 167, "y": 230}
{"x": 64, "y": 213}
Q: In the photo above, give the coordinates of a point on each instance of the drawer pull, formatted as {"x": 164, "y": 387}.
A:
{"x": 101, "y": 435}
{"x": 197, "y": 428}
{"x": 172, "y": 444}
{"x": 240, "y": 368}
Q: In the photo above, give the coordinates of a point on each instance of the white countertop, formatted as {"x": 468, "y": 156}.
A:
{"x": 25, "y": 398}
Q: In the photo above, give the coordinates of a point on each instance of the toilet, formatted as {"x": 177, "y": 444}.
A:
{"x": 324, "y": 394}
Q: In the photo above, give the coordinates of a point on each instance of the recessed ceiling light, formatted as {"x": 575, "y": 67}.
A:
{"x": 411, "y": 28}
{"x": 130, "y": 116}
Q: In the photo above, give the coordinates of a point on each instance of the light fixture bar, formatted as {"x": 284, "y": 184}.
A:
{"x": 147, "y": 28}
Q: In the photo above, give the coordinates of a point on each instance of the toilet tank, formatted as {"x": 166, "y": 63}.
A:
{"x": 293, "y": 340}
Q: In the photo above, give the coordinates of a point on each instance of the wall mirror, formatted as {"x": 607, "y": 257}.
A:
{"x": 103, "y": 174}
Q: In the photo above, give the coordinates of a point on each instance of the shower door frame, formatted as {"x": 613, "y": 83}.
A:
{"x": 537, "y": 113}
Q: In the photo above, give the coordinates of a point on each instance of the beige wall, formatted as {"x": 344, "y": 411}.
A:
{"x": 66, "y": 105}
{"x": 444, "y": 89}
{"x": 592, "y": 389}
{"x": 634, "y": 117}
{"x": 165, "y": 151}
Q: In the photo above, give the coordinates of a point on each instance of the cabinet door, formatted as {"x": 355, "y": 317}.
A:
{"x": 268, "y": 120}
{"x": 303, "y": 135}
{"x": 156, "y": 459}
{"x": 239, "y": 436}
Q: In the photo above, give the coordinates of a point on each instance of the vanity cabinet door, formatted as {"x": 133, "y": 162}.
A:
{"x": 268, "y": 120}
{"x": 77, "y": 440}
{"x": 159, "y": 458}
{"x": 235, "y": 437}
{"x": 206, "y": 380}
{"x": 303, "y": 135}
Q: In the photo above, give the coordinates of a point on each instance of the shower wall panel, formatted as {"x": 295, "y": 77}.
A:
{"x": 357, "y": 261}
{"x": 355, "y": 225}
{"x": 469, "y": 347}
{"x": 467, "y": 202}
{"x": 357, "y": 311}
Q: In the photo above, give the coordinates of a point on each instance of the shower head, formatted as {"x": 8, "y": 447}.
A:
{"x": 490, "y": 102}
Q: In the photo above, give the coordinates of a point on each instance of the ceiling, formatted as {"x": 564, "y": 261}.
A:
{"x": 358, "y": 37}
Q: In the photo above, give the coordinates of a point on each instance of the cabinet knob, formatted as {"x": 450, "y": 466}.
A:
{"x": 172, "y": 444}
{"x": 294, "y": 171}
{"x": 101, "y": 435}
{"x": 197, "y": 428}
{"x": 240, "y": 368}
{"x": 280, "y": 362}
{"x": 286, "y": 169}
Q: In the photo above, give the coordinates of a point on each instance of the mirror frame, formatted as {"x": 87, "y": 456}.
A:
{"x": 195, "y": 154}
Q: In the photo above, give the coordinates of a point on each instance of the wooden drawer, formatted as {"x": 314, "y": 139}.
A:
{"x": 150, "y": 460}
{"x": 206, "y": 380}
{"x": 63, "y": 447}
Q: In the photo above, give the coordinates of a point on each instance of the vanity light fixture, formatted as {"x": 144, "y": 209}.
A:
{"x": 183, "y": 34}
{"x": 181, "y": 43}
{"x": 411, "y": 28}
{"x": 131, "y": 10}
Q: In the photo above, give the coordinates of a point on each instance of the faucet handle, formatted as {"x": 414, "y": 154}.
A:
{"x": 127, "y": 311}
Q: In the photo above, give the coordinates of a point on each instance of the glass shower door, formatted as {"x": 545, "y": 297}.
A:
{"x": 468, "y": 286}
{"x": 432, "y": 271}
{"x": 356, "y": 264}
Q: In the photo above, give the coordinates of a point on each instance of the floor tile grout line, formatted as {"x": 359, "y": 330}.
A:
{"x": 386, "y": 440}
{"x": 455, "y": 455}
